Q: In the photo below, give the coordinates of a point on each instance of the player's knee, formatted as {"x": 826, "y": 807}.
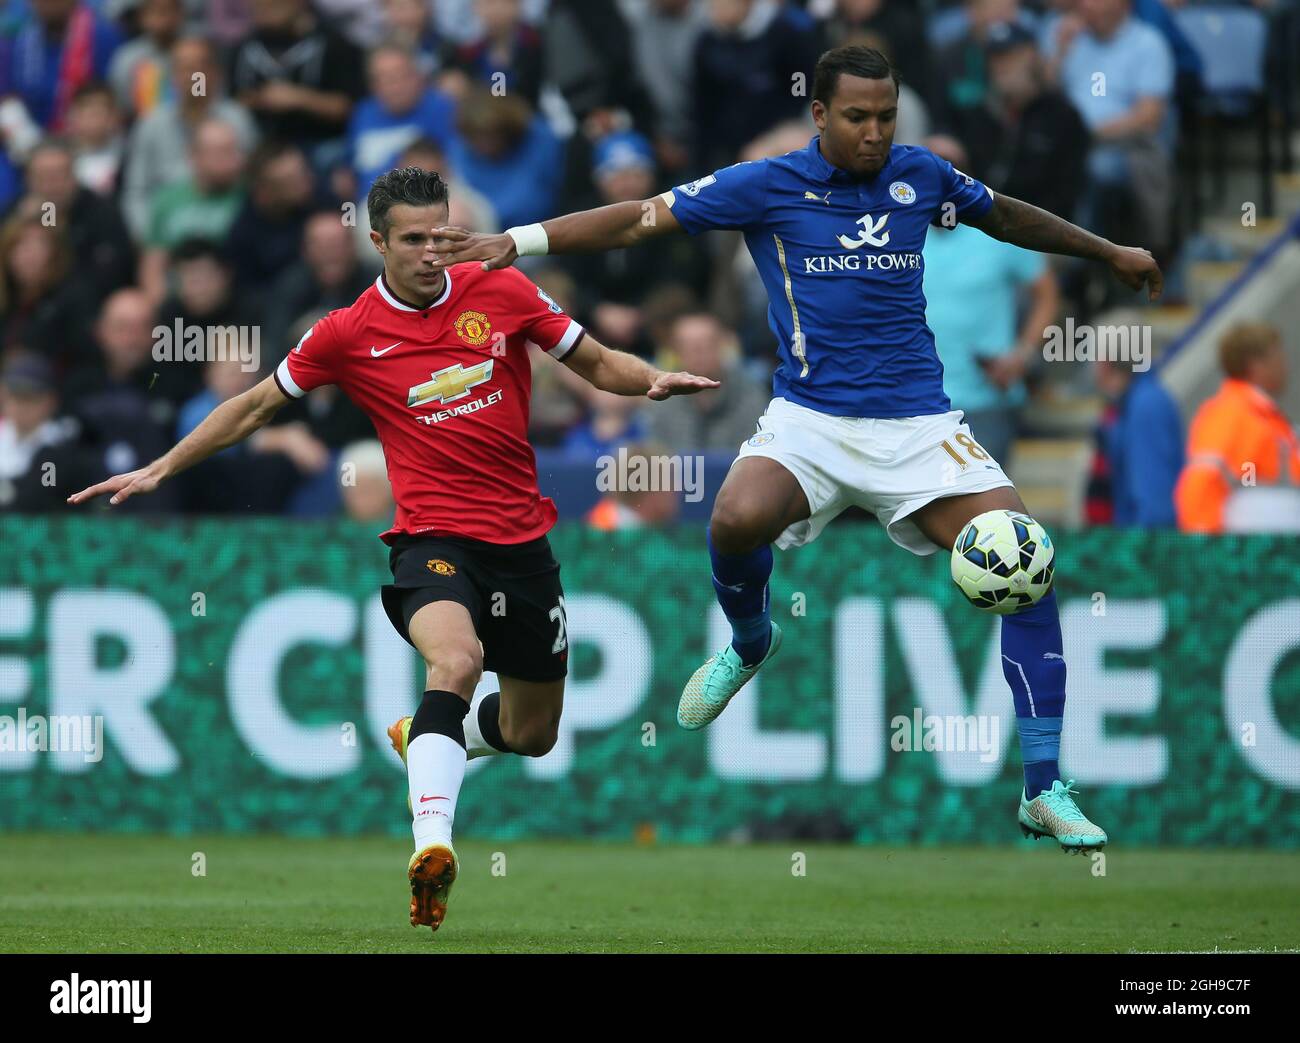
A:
{"x": 734, "y": 529}
{"x": 534, "y": 738}
{"x": 455, "y": 669}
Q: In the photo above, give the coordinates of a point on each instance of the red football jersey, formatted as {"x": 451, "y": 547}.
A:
{"x": 447, "y": 388}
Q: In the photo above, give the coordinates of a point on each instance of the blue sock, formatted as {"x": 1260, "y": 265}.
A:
{"x": 1034, "y": 667}
{"x": 740, "y": 582}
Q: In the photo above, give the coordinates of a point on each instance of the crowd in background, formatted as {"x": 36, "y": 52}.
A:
{"x": 183, "y": 163}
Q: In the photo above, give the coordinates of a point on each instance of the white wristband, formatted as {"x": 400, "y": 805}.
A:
{"x": 530, "y": 240}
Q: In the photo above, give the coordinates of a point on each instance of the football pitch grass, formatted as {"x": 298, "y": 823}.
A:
{"x": 117, "y": 893}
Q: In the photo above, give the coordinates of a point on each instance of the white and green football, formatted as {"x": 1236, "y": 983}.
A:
{"x": 1003, "y": 561}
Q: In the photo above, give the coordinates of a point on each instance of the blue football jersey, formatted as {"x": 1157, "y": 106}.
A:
{"x": 841, "y": 261}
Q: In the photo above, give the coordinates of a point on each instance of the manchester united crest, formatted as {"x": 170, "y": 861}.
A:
{"x": 473, "y": 327}
{"x": 442, "y": 568}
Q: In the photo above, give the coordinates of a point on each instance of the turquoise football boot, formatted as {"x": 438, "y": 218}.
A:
{"x": 712, "y": 686}
{"x": 1053, "y": 813}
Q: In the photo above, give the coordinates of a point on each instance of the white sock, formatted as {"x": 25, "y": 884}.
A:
{"x": 435, "y": 768}
{"x": 475, "y": 744}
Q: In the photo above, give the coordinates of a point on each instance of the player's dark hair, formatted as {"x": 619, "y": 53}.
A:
{"x": 854, "y": 60}
{"x": 405, "y": 185}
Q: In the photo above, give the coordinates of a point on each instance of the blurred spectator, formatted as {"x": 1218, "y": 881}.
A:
{"x": 558, "y": 392}
{"x": 634, "y": 507}
{"x": 402, "y": 108}
{"x": 256, "y": 476}
{"x": 410, "y": 23}
{"x": 1027, "y": 140}
{"x": 361, "y": 22}
{"x": 1139, "y": 450}
{"x": 1119, "y": 74}
{"x": 467, "y": 206}
{"x": 590, "y": 62}
{"x": 101, "y": 247}
{"x": 1188, "y": 66}
{"x": 972, "y": 283}
{"x": 95, "y": 132}
{"x": 57, "y": 47}
{"x": 41, "y": 309}
{"x": 458, "y": 20}
{"x": 204, "y": 295}
{"x": 227, "y": 21}
{"x": 298, "y": 77}
{"x": 40, "y": 460}
{"x": 1243, "y": 458}
{"x": 712, "y": 421}
{"x": 367, "y": 496}
{"x": 902, "y": 25}
{"x": 160, "y": 146}
{"x": 507, "y": 55}
{"x": 613, "y": 285}
{"x": 612, "y": 421}
{"x": 508, "y": 154}
{"x": 663, "y": 40}
{"x": 123, "y": 339}
{"x": 141, "y": 71}
{"x": 201, "y": 206}
{"x": 265, "y": 237}
{"x": 126, "y": 400}
{"x": 326, "y": 276}
{"x": 747, "y": 63}
{"x": 962, "y": 66}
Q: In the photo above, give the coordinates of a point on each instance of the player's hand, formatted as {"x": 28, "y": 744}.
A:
{"x": 1135, "y": 268}
{"x": 454, "y": 245}
{"x": 669, "y": 384}
{"x": 122, "y": 486}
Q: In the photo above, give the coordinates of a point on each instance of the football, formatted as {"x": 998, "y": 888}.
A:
{"x": 1002, "y": 561}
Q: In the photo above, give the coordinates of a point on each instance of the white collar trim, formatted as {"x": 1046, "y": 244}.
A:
{"x": 400, "y": 306}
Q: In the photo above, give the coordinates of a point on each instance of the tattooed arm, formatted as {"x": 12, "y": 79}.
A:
{"x": 1028, "y": 226}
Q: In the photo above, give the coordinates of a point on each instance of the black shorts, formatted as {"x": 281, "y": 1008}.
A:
{"x": 511, "y": 591}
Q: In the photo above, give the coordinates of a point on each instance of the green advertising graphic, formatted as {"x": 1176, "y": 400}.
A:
{"x": 243, "y": 673}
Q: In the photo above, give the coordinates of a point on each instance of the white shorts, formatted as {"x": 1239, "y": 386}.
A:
{"x": 890, "y": 466}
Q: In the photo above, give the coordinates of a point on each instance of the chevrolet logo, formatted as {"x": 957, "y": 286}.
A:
{"x": 450, "y": 384}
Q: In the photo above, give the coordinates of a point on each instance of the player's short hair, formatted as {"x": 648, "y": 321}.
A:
{"x": 1245, "y": 343}
{"x": 408, "y": 186}
{"x": 855, "y": 60}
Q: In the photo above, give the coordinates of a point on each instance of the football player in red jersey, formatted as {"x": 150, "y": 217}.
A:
{"x": 438, "y": 358}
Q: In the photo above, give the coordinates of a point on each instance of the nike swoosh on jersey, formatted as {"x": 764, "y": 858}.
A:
{"x": 376, "y": 352}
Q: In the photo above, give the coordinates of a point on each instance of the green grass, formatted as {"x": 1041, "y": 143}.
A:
{"x": 108, "y": 893}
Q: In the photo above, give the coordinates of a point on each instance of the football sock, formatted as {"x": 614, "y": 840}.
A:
{"x": 435, "y": 765}
{"x": 740, "y": 582}
{"x": 1034, "y": 666}
{"x": 483, "y": 728}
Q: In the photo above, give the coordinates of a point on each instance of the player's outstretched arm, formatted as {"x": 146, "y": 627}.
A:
{"x": 231, "y": 422}
{"x": 588, "y": 231}
{"x": 1023, "y": 224}
{"x": 625, "y": 374}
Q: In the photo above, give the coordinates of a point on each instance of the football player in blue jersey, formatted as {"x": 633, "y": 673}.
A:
{"x": 858, "y": 414}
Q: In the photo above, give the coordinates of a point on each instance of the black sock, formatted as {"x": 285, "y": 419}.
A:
{"x": 440, "y": 713}
{"x": 489, "y": 722}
